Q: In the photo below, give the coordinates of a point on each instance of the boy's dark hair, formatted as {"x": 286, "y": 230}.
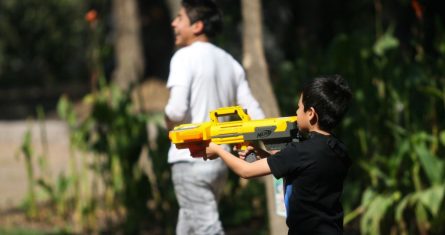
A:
{"x": 330, "y": 97}
{"x": 208, "y": 12}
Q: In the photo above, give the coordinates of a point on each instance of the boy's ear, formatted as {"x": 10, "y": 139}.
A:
{"x": 312, "y": 115}
{"x": 198, "y": 27}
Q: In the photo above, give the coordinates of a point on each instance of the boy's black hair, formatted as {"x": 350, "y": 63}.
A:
{"x": 208, "y": 12}
{"x": 330, "y": 97}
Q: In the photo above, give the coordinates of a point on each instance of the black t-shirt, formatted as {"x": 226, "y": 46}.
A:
{"x": 314, "y": 171}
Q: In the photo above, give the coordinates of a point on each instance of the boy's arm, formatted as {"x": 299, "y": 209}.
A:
{"x": 179, "y": 80}
{"x": 176, "y": 107}
{"x": 240, "y": 167}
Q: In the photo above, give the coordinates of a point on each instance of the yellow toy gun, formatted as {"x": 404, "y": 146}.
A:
{"x": 275, "y": 133}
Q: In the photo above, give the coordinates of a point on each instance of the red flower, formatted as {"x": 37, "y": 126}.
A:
{"x": 91, "y": 16}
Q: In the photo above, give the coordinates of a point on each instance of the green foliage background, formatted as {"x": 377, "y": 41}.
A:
{"x": 35, "y": 39}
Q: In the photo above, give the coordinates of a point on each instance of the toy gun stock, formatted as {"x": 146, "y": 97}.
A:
{"x": 275, "y": 133}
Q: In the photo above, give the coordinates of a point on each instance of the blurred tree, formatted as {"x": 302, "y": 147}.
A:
{"x": 254, "y": 62}
{"x": 128, "y": 46}
{"x": 173, "y": 6}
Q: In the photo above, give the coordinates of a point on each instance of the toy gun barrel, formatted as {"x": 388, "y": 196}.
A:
{"x": 275, "y": 133}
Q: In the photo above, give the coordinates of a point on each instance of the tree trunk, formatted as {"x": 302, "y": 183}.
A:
{"x": 254, "y": 62}
{"x": 128, "y": 45}
{"x": 173, "y": 6}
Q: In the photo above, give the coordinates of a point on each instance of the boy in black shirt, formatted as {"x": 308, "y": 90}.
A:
{"x": 314, "y": 169}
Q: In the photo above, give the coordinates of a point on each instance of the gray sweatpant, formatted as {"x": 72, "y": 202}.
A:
{"x": 198, "y": 187}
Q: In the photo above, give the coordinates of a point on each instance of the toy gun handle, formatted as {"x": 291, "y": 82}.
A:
{"x": 251, "y": 157}
{"x": 198, "y": 149}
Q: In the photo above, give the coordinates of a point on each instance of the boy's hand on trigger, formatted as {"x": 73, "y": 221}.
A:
{"x": 243, "y": 153}
{"x": 259, "y": 152}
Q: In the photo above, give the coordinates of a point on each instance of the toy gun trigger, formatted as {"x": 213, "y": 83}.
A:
{"x": 251, "y": 157}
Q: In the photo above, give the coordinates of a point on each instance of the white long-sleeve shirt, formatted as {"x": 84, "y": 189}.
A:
{"x": 203, "y": 78}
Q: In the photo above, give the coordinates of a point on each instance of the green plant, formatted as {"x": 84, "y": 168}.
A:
{"x": 27, "y": 151}
{"x": 115, "y": 134}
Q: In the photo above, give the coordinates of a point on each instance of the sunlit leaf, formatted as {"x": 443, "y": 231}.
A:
{"x": 386, "y": 42}
{"x": 63, "y": 107}
{"x": 88, "y": 99}
{"x": 432, "y": 166}
{"x": 367, "y": 197}
{"x": 375, "y": 213}
{"x": 432, "y": 198}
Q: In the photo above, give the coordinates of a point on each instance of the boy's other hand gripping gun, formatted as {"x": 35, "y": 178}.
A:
{"x": 275, "y": 133}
